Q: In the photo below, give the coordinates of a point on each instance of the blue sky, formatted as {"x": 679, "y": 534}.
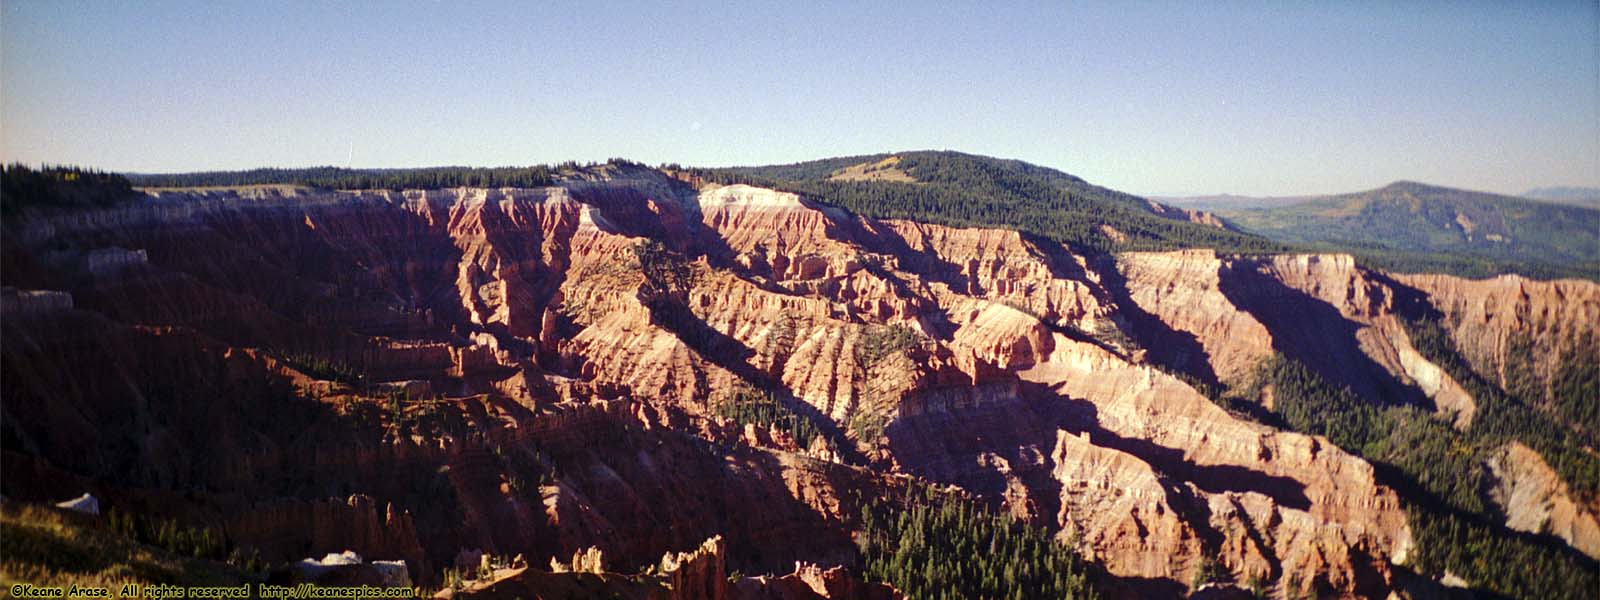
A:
{"x": 1159, "y": 98}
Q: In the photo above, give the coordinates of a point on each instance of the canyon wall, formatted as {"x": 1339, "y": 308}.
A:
{"x": 538, "y": 371}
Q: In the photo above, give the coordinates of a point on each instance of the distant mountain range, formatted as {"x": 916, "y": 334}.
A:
{"x": 1587, "y": 197}
{"x": 1479, "y": 231}
{"x": 1580, "y": 196}
{"x": 1215, "y": 202}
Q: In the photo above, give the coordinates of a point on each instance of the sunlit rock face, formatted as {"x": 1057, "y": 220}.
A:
{"x": 998, "y": 362}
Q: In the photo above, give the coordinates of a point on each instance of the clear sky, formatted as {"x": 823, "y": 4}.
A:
{"x": 1272, "y": 98}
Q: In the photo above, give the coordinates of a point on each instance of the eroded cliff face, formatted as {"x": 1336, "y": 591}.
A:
{"x": 1222, "y": 316}
{"x": 1535, "y": 500}
{"x": 1147, "y": 464}
{"x": 1516, "y": 332}
{"x": 1346, "y": 322}
{"x": 552, "y": 384}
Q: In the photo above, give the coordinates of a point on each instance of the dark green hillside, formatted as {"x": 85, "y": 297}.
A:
{"x": 1412, "y": 226}
{"x": 937, "y": 545}
{"x": 806, "y": 171}
{"x": 59, "y": 187}
{"x": 958, "y": 189}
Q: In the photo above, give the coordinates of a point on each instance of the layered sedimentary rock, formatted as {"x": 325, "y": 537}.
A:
{"x": 1187, "y": 214}
{"x": 1147, "y": 465}
{"x": 1232, "y": 313}
{"x": 1510, "y": 323}
{"x": 524, "y": 371}
{"x": 1535, "y": 500}
{"x": 1181, "y": 292}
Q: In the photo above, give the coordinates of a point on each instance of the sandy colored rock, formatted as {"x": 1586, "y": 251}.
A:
{"x": 528, "y": 313}
{"x": 1535, "y": 500}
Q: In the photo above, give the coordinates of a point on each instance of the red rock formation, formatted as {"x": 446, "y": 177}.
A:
{"x": 576, "y": 404}
{"x": 1510, "y": 321}
{"x": 699, "y": 574}
{"x": 1321, "y": 308}
{"x": 1535, "y": 499}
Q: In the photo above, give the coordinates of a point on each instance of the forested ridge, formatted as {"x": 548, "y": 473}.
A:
{"x": 966, "y": 190}
{"x": 951, "y": 188}
{"x": 1409, "y": 226}
{"x": 62, "y": 187}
